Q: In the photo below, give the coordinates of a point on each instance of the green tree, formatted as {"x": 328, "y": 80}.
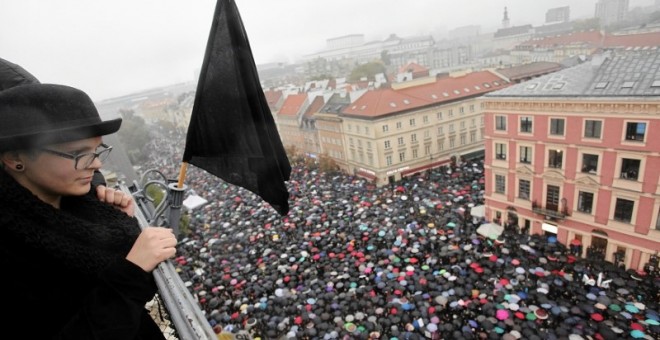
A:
{"x": 385, "y": 57}
{"x": 134, "y": 135}
{"x": 368, "y": 70}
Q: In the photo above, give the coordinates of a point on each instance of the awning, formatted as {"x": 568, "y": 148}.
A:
{"x": 366, "y": 175}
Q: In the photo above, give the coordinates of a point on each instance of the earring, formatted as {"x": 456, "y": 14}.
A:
{"x": 19, "y": 167}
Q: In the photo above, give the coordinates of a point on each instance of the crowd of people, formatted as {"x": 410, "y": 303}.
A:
{"x": 352, "y": 260}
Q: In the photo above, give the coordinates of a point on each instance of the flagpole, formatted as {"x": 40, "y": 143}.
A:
{"x": 182, "y": 174}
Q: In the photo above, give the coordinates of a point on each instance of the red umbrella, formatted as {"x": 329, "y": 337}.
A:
{"x": 576, "y": 242}
{"x": 597, "y": 317}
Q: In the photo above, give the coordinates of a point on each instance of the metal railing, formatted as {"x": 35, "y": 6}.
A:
{"x": 186, "y": 319}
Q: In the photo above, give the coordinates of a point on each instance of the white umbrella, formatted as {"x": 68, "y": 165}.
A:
{"x": 478, "y": 211}
{"x": 490, "y": 230}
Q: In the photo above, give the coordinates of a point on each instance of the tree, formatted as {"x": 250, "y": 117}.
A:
{"x": 368, "y": 70}
{"x": 385, "y": 57}
{"x": 134, "y": 135}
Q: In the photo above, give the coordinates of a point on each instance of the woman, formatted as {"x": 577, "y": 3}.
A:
{"x": 75, "y": 266}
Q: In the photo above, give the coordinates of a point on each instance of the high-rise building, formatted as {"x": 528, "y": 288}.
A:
{"x": 611, "y": 11}
{"x": 558, "y": 14}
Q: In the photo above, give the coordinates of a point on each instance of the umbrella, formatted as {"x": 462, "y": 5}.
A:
{"x": 502, "y": 314}
{"x": 490, "y": 230}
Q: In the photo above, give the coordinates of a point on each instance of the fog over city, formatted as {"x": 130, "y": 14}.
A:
{"x": 113, "y": 48}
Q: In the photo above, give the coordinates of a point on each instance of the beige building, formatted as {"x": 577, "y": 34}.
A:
{"x": 395, "y": 132}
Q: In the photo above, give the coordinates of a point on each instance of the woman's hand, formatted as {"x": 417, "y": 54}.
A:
{"x": 153, "y": 246}
{"x": 116, "y": 198}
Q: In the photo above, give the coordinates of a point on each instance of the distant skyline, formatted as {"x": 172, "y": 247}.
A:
{"x": 112, "y": 48}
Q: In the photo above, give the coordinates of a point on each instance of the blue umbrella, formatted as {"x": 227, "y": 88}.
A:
{"x": 632, "y": 308}
{"x": 637, "y": 334}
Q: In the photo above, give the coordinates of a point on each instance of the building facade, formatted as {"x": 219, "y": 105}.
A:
{"x": 572, "y": 155}
{"x": 396, "y": 132}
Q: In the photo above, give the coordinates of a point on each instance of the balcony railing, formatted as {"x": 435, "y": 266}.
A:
{"x": 537, "y": 209}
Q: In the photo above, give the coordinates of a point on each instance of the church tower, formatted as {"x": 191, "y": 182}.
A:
{"x": 505, "y": 19}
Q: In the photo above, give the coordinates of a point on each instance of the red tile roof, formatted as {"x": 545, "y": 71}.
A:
{"x": 633, "y": 40}
{"x": 413, "y": 68}
{"x": 589, "y": 37}
{"x": 382, "y": 102}
{"x": 595, "y": 38}
{"x": 315, "y": 106}
{"x": 272, "y": 97}
{"x": 292, "y": 105}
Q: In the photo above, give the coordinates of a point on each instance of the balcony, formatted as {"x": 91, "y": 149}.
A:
{"x": 551, "y": 214}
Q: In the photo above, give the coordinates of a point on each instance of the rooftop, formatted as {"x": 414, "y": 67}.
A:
{"x": 629, "y": 73}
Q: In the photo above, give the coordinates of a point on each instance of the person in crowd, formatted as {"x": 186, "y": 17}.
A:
{"x": 78, "y": 265}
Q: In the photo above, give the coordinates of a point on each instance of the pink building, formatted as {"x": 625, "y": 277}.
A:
{"x": 574, "y": 154}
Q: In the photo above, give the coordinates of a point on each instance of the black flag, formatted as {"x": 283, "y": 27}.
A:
{"x": 232, "y": 133}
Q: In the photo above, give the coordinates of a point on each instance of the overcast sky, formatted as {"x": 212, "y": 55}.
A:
{"x": 112, "y": 48}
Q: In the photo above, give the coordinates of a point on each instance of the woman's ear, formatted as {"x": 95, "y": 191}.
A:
{"x": 11, "y": 160}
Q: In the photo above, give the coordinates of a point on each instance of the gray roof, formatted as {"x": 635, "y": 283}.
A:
{"x": 621, "y": 74}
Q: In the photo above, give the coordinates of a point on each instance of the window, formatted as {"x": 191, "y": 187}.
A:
{"x": 630, "y": 168}
{"x": 473, "y": 136}
{"x": 592, "y": 128}
{"x": 414, "y": 153}
{"x": 452, "y": 141}
{"x": 413, "y": 137}
{"x": 350, "y": 142}
{"x": 451, "y": 127}
{"x": 471, "y": 107}
{"x": 635, "y": 131}
{"x": 526, "y": 154}
{"x": 400, "y": 140}
{"x": 439, "y": 115}
{"x": 463, "y": 125}
{"x": 398, "y": 125}
{"x": 500, "y": 151}
{"x": 555, "y": 158}
{"x": 451, "y": 112}
{"x": 427, "y": 134}
{"x": 623, "y": 210}
{"x": 441, "y": 130}
{"x": 500, "y": 123}
{"x": 557, "y": 126}
{"x": 388, "y": 160}
{"x": 589, "y": 163}
{"x": 461, "y": 110}
{"x": 425, "y": 119}
{"x": 386, "y": 128}
{"x": 585, "y": 202}
{"x": 526, "y": 124}
{"x": 500, "y": 184}
{"x": 472, "y": 123}
{"x": 402, "y": 156}
{"x": 552, "y": 198}
{"x": 523, "y": 189}
{"x": 441, "y": 144}
{"x": 387, "y": 144}
{"x": 412, "y": 122}
{"x": 427, "y": 149}
{"x": 463, "y": 139}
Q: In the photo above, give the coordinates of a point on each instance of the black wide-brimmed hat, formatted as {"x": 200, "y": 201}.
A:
{"x": 35, "y": 115}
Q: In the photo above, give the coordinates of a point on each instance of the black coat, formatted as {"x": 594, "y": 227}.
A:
{"x": 65, "y": 275}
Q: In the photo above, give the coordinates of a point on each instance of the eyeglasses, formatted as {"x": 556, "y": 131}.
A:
{"x": 84, "y": 159}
